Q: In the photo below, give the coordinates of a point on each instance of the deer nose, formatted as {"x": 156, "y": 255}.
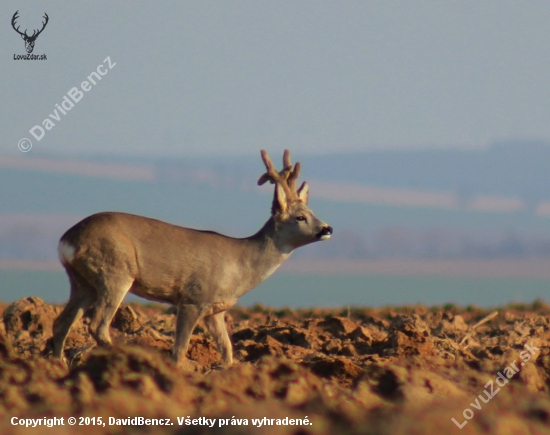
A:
{"x": 325, "y": 232}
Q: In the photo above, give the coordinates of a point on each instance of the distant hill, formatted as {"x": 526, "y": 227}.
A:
{"x": 382, "y": 204}
{"x": 510, "y": 169}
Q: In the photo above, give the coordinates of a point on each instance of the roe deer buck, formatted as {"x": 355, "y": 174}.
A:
{"x": 202, "y": 273}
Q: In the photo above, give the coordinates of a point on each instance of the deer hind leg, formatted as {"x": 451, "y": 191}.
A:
{"x": 217, "y": 329}
{"x": 110, "y": 294}
{"x": 82, "y": 297}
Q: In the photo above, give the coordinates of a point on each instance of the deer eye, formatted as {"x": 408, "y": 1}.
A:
{"x": 301, "y": 218}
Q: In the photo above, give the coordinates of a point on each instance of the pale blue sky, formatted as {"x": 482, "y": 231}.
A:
{"x": 204, "y": 77}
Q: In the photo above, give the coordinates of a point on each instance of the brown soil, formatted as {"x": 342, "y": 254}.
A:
{"x": 407, "y": 370}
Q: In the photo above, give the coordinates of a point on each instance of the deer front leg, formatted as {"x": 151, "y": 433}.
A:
{"x": 217, "y": 329}
{"x": 187, "y": 317}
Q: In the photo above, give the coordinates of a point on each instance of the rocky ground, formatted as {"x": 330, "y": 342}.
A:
{"x": 409, "y": 370}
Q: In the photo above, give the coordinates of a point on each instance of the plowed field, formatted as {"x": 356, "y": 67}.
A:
{"x": 407, "y": 370}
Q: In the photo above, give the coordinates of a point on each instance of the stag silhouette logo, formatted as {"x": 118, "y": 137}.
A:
{"x": 29, "y": 40}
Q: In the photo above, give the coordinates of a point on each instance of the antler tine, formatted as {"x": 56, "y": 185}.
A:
{"x": 285, "y": 178}
{"x": 44, "y": 23}
{"x": 290, "y": 174}
{"x": 271, "y": 175}
{"x": 287, "y": 166}
{"x": 294, "y": 176}
{"x": 286, "y": 159}
{"x": 13, "y": 20}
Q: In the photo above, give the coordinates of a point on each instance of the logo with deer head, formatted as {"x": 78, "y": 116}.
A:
{"x": 29, "y": 40}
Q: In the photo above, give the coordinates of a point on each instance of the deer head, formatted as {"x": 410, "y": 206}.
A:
{"x": 294, "y": 221}
{"x": 29, "y": 40}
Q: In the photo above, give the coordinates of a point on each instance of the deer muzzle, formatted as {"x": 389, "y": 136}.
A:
{"x": 325, "y": 233}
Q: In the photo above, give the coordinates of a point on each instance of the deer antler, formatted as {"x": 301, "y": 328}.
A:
{"x": 34, "y": 34}
{"x": 286, "y": 178}
{"x": 15, "y": 17}
{"x": 43, "y": 26}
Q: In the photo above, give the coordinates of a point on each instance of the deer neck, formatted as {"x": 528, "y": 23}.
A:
{"x": 266, "y": 250}
{"x": 268, "y": 242}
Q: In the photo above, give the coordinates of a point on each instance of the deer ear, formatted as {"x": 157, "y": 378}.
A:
{"x": 22, "y": 36}
{"x": 282, "y": 199}
{"x": 303, "y": 192}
